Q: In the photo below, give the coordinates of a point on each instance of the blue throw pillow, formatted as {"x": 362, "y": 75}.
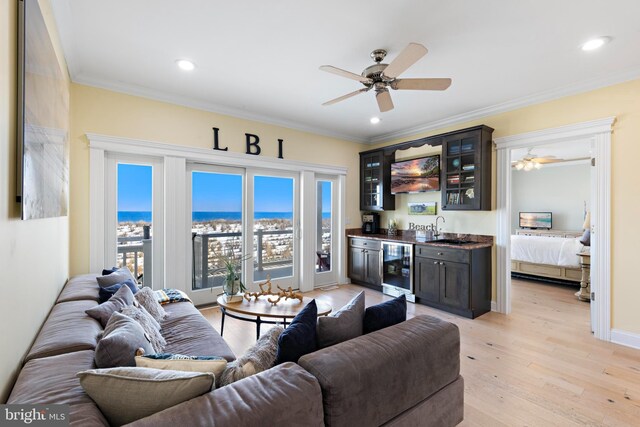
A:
{"x": 105, "y": 272}
{"x": 300, "y": 336}
{"x": 105, "y": 293}
{"x": 385, "y": 314}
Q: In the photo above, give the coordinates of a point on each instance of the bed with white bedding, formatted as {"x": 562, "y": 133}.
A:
{"x": 549, "y": 257}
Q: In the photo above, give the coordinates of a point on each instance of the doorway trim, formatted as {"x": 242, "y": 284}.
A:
{"x": 598, "y": 132}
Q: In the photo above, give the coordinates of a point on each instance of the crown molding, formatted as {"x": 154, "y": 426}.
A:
{"x": 573, "y": 89}
{"x": 573, "y": 131}
{"x": 185, "y": 101}
{"x": 480, "y": 113}
{"x": 124, "y": 145}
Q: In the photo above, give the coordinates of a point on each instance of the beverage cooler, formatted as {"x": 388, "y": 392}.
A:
{"x": 397, "y": 269}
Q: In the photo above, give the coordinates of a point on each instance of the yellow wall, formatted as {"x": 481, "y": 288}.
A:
{"x": 34, "y": 255}
{"x": 105, "y": 112}
{"x": 621, "y": 101}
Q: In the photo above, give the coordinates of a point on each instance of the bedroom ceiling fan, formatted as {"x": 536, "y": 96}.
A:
{"x": 381, "y": 77}
{"x": 531, "y": 161}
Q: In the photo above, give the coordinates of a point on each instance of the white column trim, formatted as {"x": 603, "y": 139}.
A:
{"x": 175, "y": 242}
{"x": 503, "y": 232}
{"x": 96, "y": 209}
{"x": 599, "y": 132}
{"x": 341, "y": 259}
{"x": 307, "y": 228}
{"x": 601, "y": 237}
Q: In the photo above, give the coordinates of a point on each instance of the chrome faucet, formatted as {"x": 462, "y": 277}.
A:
{"x": 436, "y": 230}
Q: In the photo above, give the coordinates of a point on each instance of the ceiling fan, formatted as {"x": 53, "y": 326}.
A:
{"x": 531, "y": 161}
{"x": 381, "y": 77}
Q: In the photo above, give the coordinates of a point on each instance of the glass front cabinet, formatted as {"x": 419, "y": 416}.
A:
{"x": 466, "y": 169}
{"x": 375, "y": 181}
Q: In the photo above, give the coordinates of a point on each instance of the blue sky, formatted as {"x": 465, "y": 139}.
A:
{"x": 212, "y": 191}
{"x": 134, "y": 187}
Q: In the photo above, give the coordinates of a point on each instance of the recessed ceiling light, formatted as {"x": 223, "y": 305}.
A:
{"x": 374, "y": 120}
{"x": 596, "y": 43}
{"x": 185, "y": 64}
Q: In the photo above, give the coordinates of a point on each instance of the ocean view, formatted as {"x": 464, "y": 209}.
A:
{"x": 138, "y": 216}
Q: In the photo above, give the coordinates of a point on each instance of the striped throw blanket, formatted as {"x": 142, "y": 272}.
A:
{"x": 167, "y": 296}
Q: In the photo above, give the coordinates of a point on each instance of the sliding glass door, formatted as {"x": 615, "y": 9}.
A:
{"x": 247, "y": 216}
{"x": 326, "y": 227}
{"x": 273, "y": 201}
{"x": 134, "y": 228}
{"x": 217, "y": 227}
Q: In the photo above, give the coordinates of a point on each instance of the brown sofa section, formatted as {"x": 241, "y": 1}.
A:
{"x": 78, "y": 288}
{"x": 283, "y": 396}
{"x": 68, "y": 328}
{"x": 53, "y": 380}
{"x": 404, "y": 375}
{"x": 188, "y": 332}
{"x": 66, "y": 342}
{"x": 371, "y": 379}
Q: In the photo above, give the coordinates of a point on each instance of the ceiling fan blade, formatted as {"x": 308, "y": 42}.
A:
{"x": 543, "y": 160}
{"x": 409, "y": 56}
{"x": 421, "y": 84}
{"x": 384, "y": 101}
{"x": 546, "y": 159}
{"x": 348, "y": 74}
{"x": 343, "y": 97}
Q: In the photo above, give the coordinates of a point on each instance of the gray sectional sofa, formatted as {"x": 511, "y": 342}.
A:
{"x": 404, "y": 375}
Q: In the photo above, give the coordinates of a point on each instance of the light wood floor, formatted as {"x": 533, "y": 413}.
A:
{"x": 539, "y": 366}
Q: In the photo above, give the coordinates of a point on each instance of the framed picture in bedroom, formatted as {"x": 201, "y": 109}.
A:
{"x": 43, "y": 119}
{"x": 535, "y": 220}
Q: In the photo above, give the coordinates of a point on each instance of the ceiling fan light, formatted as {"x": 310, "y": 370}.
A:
{"x": 185, "y": 64}
{"x": 594, "y": 44}
{"x": 519, "y": 166}
{"x": 528, "y": 166}
{"x": 537, "y": 165}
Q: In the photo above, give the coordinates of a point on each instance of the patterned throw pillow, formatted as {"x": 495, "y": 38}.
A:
{"x": 147, "y": 298}
{"x": 149, "y": 325}
{"x": 260, "y": 357}
{"x": 180, "y": 362}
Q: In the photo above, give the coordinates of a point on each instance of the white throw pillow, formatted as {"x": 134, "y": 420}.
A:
{"x": 128, "y": 394}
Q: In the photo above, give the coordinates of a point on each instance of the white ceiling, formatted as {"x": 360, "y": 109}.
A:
{"x": 259, "y": 59}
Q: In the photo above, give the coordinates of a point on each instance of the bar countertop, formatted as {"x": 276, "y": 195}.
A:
{"x": 472, "y": 241}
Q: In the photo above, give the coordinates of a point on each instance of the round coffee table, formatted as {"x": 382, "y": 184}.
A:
{"x": 284, "y": 310}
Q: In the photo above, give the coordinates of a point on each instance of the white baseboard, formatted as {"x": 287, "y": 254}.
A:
{"x": 494, "y": 306}
{"x": 628, "y": 339}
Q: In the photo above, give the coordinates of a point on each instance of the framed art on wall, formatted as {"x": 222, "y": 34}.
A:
{"x": 423, "y": 208}
{"x": 43, "y": 119}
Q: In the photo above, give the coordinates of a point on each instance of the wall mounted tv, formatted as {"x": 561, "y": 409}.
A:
{"x": 535, "y": 220}
{"x": 416, "y": 176}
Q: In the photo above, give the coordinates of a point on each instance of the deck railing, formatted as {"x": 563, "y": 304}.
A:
{"x": 204, "y": 276}
{"x": 138, "y": 249}
{"x": 141, "y": 252}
